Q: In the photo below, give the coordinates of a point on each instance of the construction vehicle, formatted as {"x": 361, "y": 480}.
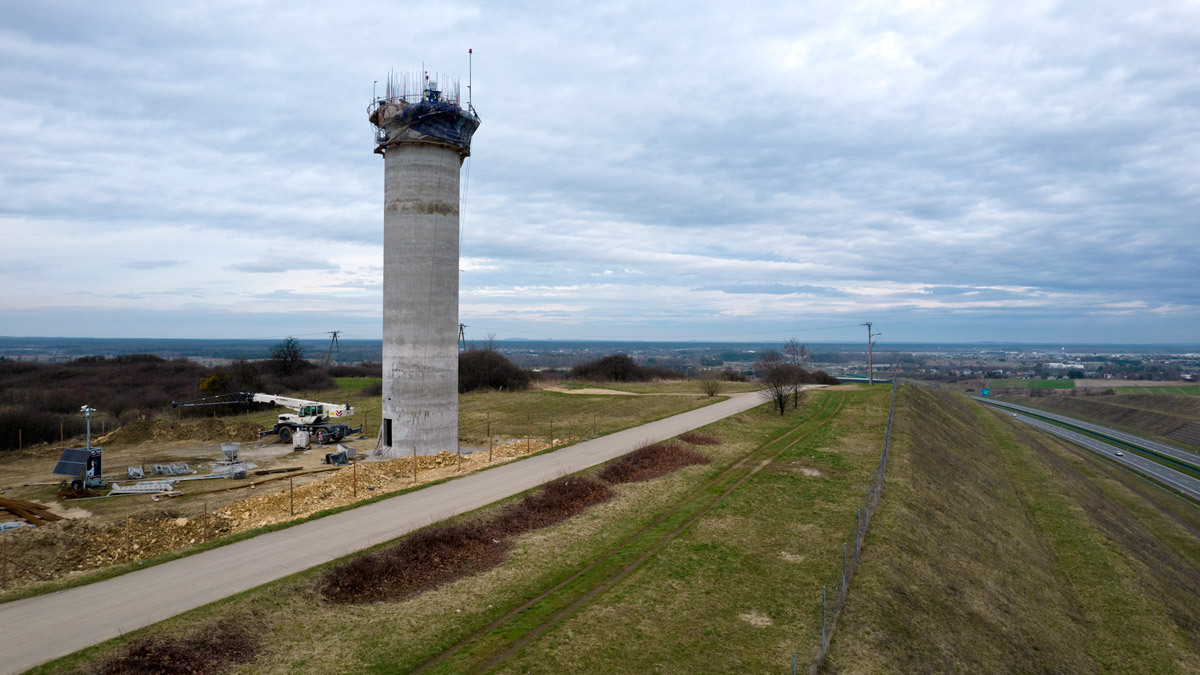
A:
{"x": 311, "y": 416}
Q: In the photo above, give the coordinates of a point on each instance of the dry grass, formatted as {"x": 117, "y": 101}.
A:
{"x": 699, "y": 438}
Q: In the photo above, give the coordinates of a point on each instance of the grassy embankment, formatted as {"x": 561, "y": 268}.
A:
{"x": 1001, "y": 549}
{"x": 727, "y": 581}
{"x": 1154, "y": 416}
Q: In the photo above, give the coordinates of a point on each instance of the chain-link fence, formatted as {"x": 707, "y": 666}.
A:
{"x": 833, "y": 592}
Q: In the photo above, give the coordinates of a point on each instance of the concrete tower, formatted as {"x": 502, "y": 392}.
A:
{"x": 424, "y": 135}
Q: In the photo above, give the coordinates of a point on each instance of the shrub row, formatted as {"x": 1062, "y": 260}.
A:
{"x": 441, "y": 554}
{"x": 621, "y": 368}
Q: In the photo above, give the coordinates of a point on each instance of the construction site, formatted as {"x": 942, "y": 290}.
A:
{"x": 168, "y": 486}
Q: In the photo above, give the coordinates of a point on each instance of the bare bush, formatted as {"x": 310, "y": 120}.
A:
{"x": 481, "y": 369}
{"x": 207, "y": 649}
{"x": 710, "y": 383}
{"x": 651, "y": 461}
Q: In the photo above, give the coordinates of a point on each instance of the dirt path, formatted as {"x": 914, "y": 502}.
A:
{"x": 45, "y": 627}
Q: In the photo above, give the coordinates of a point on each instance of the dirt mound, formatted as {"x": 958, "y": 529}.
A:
{"x": 142, "y": 431}
{"x": 651, "y": 461}
{"x": 204, "y": 649}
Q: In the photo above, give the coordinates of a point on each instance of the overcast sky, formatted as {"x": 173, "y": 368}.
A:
{"x": 951, "y": 171}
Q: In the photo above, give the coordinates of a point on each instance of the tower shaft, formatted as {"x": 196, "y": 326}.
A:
{"x": 420, "y": 297}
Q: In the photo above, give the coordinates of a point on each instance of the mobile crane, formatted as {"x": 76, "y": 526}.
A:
{"x": 311, "y": 416}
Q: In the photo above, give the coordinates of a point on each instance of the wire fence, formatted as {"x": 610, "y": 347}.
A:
{"x": 833, "y": 592}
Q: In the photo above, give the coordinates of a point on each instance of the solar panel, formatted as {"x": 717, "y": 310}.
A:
{"x": 73, "y": 462}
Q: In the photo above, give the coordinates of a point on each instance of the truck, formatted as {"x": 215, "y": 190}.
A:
{"x": 314, "y": 417}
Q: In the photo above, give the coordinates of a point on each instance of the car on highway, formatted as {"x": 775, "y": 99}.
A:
{"x": 1120, "y": 454}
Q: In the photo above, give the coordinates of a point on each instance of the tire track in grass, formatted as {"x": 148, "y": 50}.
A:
{"x": 523, "y": 625}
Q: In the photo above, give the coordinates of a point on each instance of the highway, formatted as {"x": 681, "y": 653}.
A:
{"x": 1177, "y": 454}
{"x": 1169, "y": 477}
{"x": 37, "y": 629}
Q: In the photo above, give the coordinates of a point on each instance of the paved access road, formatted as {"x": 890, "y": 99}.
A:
{"x": 36, "y": 630}
{"x": 1171, "y": 451}
{"x": 1169, "y": 477}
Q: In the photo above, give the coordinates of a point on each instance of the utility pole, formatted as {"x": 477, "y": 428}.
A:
{"x": 870, "y": 360}
{"x": 462, "y": 337}
{"x": 333, "y": 342}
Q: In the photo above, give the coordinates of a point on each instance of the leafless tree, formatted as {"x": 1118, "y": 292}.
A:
{"x": 781, "y": 379}
{"x": 796, "y": 353}
{"x": 287, "y": 357}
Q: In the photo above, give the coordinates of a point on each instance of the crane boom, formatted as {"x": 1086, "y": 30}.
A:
{"x": 311, "y": 416}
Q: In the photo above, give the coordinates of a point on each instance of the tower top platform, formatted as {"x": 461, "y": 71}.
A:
{"x": 415, "y": 110}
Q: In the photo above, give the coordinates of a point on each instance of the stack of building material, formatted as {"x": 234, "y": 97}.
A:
{"x": 35, "y": 514}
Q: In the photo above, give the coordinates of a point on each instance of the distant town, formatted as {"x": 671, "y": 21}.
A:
{"x": 949, "y": 362}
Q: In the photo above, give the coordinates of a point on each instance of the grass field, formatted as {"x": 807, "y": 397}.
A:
{"x": 1000, "y": 549}
{"x": 1031, "y": 384}
{"x": 715, "y": 567}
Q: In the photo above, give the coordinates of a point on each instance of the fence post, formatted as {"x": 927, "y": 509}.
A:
{"x": 489, "y": 430}
{"x": 843, "y": 571}
{"x": 414, "y": 465}
{"x": 857, "y": 521}
{"x": 552, "y": 432}
{"x": 291, "y": 496}
{"x": 822, "y": 624}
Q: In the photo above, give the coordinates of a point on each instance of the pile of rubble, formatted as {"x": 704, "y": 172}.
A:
{"x": 167, "y": 430}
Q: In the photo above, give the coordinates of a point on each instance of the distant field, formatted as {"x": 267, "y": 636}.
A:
{"x": 657, "y": 387}
{"x": 355, "y": 383}
{"x": 1184, "y": 390}
{"x": 1032, "y": 384}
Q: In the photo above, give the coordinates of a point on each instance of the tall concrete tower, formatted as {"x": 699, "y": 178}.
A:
{"x": 424, "y": 135}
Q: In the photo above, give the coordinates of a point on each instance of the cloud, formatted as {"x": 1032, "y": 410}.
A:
{"x": 643, "y": 170}
{"x": 285, "y": 263}
{"x": 150, "y": 264}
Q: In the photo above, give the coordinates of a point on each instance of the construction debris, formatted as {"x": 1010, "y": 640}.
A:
{"x": 33, "y": 513}
{"x": 146, "y": 487}
{"x": 135, "y": 473}
{"x": 171, "y": 469}
{"x": 286, "y": 469}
